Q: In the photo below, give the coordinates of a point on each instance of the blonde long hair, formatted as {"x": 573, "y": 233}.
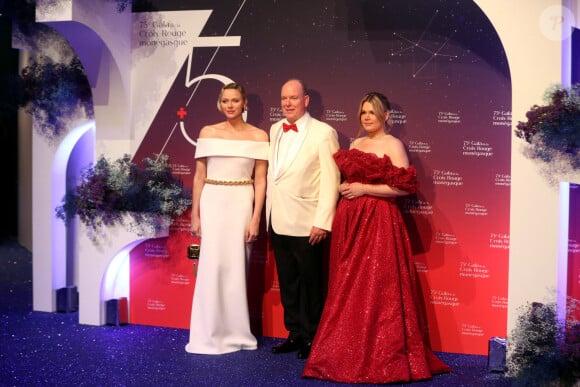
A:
{"x": 381, "y": 107}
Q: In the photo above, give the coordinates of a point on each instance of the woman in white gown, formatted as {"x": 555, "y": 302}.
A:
{"x": 229, "y": 188}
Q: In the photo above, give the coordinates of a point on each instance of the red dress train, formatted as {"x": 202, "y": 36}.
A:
{"x": 372, "y": 328}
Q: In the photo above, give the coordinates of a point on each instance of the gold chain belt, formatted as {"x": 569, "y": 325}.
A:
{"x": 229, "y": 182}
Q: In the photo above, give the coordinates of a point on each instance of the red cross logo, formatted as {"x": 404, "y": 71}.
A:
{"x": 181, "y": 113}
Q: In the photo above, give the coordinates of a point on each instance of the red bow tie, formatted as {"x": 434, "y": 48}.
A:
{"x": 287, "y": 127}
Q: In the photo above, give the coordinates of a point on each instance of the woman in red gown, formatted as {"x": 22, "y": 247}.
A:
{"x": 372, "y": 329}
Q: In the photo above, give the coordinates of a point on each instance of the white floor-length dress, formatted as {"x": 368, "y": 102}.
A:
{"x": 219, "y": 317}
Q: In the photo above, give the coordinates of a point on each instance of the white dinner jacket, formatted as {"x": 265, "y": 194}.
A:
{"x": 303, "y": 187}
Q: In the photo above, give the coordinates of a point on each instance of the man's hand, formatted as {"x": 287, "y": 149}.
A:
{"x": 317, "y": 235}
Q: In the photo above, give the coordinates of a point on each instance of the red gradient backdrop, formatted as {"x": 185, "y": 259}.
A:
{"x": 446, "y": 74}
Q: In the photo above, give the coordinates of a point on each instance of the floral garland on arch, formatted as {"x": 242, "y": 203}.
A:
{"x": 553, "y": 132}
{"x": 144, "y": 199}
{"x": 55, "y": 94}
{"x": 53, "y": 88}
{"x": 545, "y": 351}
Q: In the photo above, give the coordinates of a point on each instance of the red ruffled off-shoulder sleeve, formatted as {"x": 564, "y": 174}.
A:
{"x": 368, "y": 168}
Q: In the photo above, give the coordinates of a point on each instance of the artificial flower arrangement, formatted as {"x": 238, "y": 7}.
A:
{"x": 55, "y": 94}
{"x": 53, "y": 88}
{"x": 544, "y": 350}
{"x": 553, "y": 130}
{"x": 144, "y": 199}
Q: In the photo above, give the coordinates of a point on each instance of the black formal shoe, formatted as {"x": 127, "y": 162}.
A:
{"x": 289, "y": 345}
{"x": 304, "y": 351}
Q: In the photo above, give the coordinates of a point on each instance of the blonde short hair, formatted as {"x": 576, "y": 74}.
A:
{"x": 232, "y": 86}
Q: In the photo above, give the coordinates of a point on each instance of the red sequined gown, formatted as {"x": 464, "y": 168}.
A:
{"x": 372, "y": 329}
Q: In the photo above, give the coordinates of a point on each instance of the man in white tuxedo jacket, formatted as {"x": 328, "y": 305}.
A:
{"x": 302, "y": 194}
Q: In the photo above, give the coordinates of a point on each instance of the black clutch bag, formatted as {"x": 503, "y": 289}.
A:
{"x": 193, "y": 251}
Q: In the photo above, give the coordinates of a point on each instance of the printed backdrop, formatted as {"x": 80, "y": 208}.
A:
{"x": 442, "y": 66}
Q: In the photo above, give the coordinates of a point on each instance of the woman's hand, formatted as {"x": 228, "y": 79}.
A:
{"x": 252, "y": 231}
{"x": 351, "y": 190}
{"x": 196, "y": 227}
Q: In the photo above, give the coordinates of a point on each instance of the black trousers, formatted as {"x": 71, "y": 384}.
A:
{"x": 299, "y": 267}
